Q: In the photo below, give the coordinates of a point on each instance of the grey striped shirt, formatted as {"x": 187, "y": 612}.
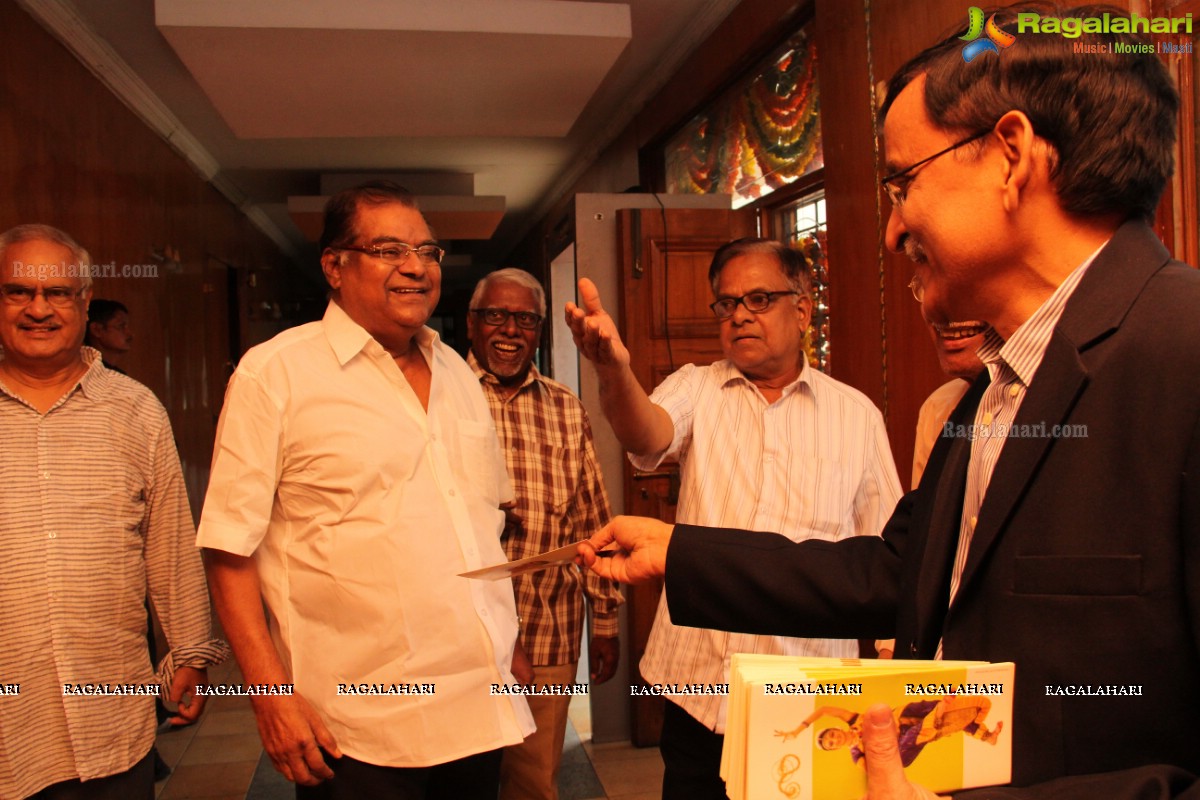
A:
{"x": 93, "y": 514}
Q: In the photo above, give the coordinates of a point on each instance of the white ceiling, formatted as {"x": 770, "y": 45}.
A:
{"x": 397, "y": 68}
{"x": 508, "y": 100}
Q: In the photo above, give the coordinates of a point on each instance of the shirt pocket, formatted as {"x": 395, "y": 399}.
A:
{"x": 478, "y": 459}
{"x": 109, "y": 495}
{"x": 823, "y": 508}
{"x": 546, "y": 469}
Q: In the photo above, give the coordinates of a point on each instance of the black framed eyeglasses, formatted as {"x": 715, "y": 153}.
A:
{"x": 499, "y": 316}
{"x": 896, "y": 185}
{"x": 755, "y": 302}
{"x": 396, "y": 253}
{"x": 17, "y": 295}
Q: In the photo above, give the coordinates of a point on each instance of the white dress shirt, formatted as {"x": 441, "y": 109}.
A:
{"x": 361, "y": 510}
{"x": 931, "y": 421}
{"x": 815, "y": 464}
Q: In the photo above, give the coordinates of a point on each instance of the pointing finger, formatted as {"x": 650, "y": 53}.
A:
{"x": 589, "y": 296}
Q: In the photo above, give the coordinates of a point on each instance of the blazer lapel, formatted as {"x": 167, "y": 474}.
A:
{"x": 1099, "y": 303}
{"x": 943, "y": 506}
{"x": 1051, "y": 396}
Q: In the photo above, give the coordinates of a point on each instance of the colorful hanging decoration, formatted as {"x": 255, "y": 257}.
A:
{"x": 763, "y": 134}
{"x": 816, "y": 338}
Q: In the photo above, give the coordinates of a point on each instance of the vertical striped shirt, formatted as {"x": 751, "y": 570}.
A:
{"x": 93, "y": 514}
{"x": 547, "y": 443}
{"x": 815, "y": 464}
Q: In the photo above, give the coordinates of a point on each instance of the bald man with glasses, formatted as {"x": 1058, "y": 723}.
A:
{"x": 94, "y": 518}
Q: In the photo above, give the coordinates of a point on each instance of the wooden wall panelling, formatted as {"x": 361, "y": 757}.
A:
{"x": 851, "y": 196}
{"x": 877, "y": 338}
{"x": 899, "y": 30}
{"x": 71, "y": 155}
{"x": 1178, "y": 219}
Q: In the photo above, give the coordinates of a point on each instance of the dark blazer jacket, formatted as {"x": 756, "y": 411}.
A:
{"x": 1084, "y": 568}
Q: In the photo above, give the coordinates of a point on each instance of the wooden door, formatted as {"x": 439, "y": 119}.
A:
{"x": 665, "y": 321}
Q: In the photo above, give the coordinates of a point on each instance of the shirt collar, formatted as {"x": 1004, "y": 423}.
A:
{"x": 727, "y": 373}
{"x": 97, "y": 377}
{"x": 94, "y": 380}
{"x": 1024, "y": 350}
{"x": 348, "y": 338}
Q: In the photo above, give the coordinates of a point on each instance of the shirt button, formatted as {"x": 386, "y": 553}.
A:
{"x": 46, "y": 474}
{"x": 52, "y": 535}
{"x": 974, "y": 521}
{"x": 987, "y": 418}
{"x": 1014, "y": 390}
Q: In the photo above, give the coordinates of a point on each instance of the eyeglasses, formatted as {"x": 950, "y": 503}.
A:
{"x": 61, "y": 296}
{"x": 396, "y": 253}
{"x": 499, "y": 316}
{"x": 897, "y": 187}
{"x": 755, "y": 302}
{"x": 918, "y": 288}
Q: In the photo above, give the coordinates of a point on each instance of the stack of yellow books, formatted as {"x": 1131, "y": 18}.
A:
{"x": 793, "y": 728}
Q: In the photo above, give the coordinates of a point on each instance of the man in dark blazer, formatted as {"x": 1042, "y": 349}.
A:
{"x": 1058, "y": 523}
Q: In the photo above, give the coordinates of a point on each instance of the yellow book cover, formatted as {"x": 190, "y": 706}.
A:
{"x": 793, "y": 725}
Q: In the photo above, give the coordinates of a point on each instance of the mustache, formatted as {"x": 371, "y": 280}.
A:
{"x": 914, "y": 250}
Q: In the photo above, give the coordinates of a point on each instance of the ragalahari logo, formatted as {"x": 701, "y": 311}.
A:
{"x": 995, "y": 38}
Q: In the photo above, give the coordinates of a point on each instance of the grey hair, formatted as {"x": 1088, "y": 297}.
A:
{"x": 48, "y": 233}
{"x": 791, "y": 262}
{"x": 512, "y": 275}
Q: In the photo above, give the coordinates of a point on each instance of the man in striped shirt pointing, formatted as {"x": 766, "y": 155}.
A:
{"x": 762, "y": 438}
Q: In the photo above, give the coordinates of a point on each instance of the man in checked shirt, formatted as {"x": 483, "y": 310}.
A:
{"x": 560, "y": 498}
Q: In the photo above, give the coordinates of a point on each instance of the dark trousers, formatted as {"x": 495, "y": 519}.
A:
{"x": 691, "y": 756}
{"x": 475, "y": 777}
{"x": 136, "y": 783}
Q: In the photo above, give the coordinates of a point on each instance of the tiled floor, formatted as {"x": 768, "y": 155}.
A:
{"x": 625, "y": 772}
{"x": 221, "y": 757}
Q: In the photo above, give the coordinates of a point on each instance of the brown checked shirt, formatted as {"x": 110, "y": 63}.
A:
{"x": 547, "y": 442}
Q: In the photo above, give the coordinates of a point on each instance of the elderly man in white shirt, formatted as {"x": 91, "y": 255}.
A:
{"x": 356, "y": 474}
{"x": 762, "y": 438}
